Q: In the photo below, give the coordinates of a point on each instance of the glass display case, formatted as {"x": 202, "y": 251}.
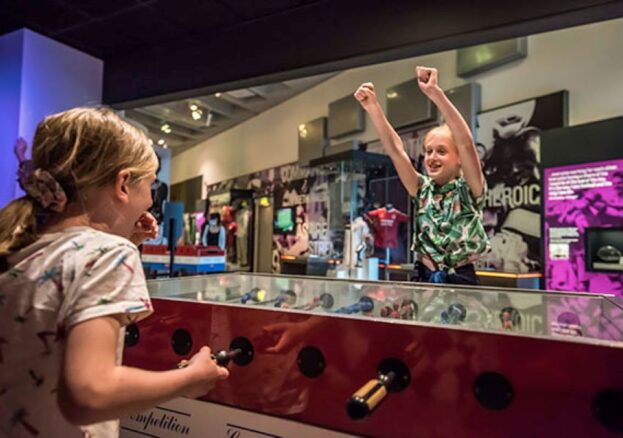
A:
{"x": 395, "y": 359}
{"x": 342, "y": 218}
{"x": 544, "y": 314}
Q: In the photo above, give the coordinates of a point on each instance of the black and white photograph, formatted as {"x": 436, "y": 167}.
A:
{"x": 508, "y": 140}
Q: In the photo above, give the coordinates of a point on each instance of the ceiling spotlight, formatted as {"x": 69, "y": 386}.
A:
{"x": 166, "y": 128}
{"x": 161, "y": 141}
{"x": 302, "y": 130}
{"x": 196, "y": 114}
{"x": 217, "y": 94}
{"x": 193, "y": 107}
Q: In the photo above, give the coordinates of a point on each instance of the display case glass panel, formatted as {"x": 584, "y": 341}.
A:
{"x": 393, "y": 359}
{"x": 543, "y": 314}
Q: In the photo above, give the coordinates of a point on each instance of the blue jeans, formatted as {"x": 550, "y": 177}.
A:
{"x": 466, "y": 274}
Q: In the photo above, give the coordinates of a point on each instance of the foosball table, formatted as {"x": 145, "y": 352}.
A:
{"x": 328, "y": 357}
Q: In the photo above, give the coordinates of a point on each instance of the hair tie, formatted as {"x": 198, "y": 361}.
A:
{"x": 42, "y": 186}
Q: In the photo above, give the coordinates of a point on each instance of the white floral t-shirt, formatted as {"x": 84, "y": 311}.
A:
{"x": 60, "y": 280}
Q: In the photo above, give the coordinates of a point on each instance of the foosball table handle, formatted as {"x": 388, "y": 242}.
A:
{"x": 367, "y": 398}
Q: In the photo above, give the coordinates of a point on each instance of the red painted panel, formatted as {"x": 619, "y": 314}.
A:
{"x": 554, "y": 380}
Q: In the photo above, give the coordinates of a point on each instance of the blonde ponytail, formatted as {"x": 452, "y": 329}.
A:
{"x": 77, "y": 149}
{"x": 18, "y": 226}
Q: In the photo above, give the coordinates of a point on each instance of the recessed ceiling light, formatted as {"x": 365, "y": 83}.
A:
{"x": 217, "y": 95}
{"x": 196, "y": 114}
{"x": 161, "y": 141}
{"x": 243, "y": 93}
{"x": 193, "y": 107}
{"x": 166, "y": 128}
{"x": 303, "y": 130}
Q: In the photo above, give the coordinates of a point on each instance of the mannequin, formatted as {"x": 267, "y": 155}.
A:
{"x": 200, "y": 220}
{"x": 385, "y": 221}
{"x": 228, "y": 222}
{"x": 186, "y": 234}
{"x": 361, "y": 240}
{"x": 242, "y": 219}
{"x": 214, "y": 232}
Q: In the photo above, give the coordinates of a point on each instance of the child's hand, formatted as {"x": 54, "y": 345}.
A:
{"x": 146, "y": 227}
{"x": 20, "y": 149}
{"x": 286, "y": 335}
{"x": 366, "y": 95}
{"x": 427, "y": 80}
{"x": 205, "y": 373}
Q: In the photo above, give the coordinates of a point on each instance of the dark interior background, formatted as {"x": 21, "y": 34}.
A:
{"x": 157, "y": 50}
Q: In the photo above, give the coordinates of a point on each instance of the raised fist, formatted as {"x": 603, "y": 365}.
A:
{"x": 427, "y": 79}
{"x": 366, "y": 95}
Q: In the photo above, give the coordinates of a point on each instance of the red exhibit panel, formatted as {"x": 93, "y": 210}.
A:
{"x": 396, "y": 359}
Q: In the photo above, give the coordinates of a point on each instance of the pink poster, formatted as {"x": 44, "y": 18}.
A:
{"x": 584, "y": 227}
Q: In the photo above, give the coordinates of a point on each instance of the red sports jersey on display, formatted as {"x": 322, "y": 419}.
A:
{"x": 386, "y": 226}
{"x": 227, "y": 220}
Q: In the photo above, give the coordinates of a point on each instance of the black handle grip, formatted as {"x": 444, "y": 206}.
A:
{"x": 223, "y": 357}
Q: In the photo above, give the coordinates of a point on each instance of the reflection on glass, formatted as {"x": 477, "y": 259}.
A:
{"x": 548, "y": 314}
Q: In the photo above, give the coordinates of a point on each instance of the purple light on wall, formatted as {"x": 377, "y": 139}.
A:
{"x": 11, "y": 51}
{"x": 38, "y": 77}
{"x": 576, "y": 198}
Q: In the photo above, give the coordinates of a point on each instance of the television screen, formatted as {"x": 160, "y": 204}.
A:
{"x": 284, "y": 222}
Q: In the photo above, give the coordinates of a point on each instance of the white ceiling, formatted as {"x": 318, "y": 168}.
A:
{"x": 214, "y": 113}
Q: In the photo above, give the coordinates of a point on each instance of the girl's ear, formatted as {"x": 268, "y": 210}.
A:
{"x": 121, "y": 186}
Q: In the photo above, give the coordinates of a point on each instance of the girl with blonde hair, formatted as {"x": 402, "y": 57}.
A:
{"x": 71, "y": 279}
{"x": 448, "y": 234}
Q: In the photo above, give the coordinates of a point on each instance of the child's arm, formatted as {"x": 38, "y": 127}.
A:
{"x": 94, "y": 389}
{"x": 470, "y": 163}
{"x": 389, "y": 138}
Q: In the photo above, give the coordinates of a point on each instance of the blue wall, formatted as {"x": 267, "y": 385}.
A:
{"x": 11, "y": 51}
{"x": 39, "y": 76}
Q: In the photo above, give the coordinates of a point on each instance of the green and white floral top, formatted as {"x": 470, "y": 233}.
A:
{"x": 447, "y": 224}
